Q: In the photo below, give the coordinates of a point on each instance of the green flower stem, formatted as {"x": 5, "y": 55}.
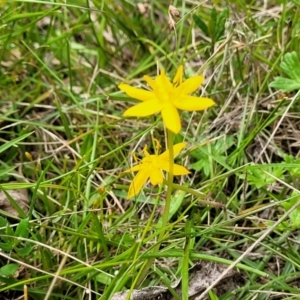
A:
{"x": 147, "y": 265}
{"x": 170, "y": 186}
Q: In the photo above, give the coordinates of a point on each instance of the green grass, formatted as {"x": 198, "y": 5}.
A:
{"x": 63, "y": 138}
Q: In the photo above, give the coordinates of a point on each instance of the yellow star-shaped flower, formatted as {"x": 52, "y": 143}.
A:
{"x": 167, "y": 98}
{"x": 151, "y": 166}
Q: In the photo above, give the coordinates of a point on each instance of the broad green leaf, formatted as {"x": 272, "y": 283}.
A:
{"x": 23, "y": 228}
{"x": 23, "y": 251}
{"x": 9, "y": 270}
{"x": 220, "y": 26}
{"x": 6, "y": 247}
{"x": 285, "y": 84}
{"x": 198, "y": 21}
{"x": 212, "y": 24}
{"x": 290, "y": 65}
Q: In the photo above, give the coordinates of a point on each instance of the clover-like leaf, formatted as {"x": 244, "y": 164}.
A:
{"x": 295, "y": 214}
{"x": 290, "y": 65}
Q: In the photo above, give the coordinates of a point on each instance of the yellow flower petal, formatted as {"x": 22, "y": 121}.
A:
{"x": 144, "y": 109}
{"x": 165, "y": 165}
{"x": 156, "y": 176}
{"x": 132, "y": 169}
{"x": 177, "y": 169}
{"x": 151, "y": 83}
{"x": 176, "y": 149}
{"x": 171, "y": 117}
{"x": 164, "y": 84}
{"x": 180, "y": 170}
{"x": 136, "y": 93}
{"x": 137, "y": 183}
{"x": 146, "y": 154}
{"x": 190, "y": 85}
{"x": 191, "y": 103}
{"x": 178, "y": 77}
